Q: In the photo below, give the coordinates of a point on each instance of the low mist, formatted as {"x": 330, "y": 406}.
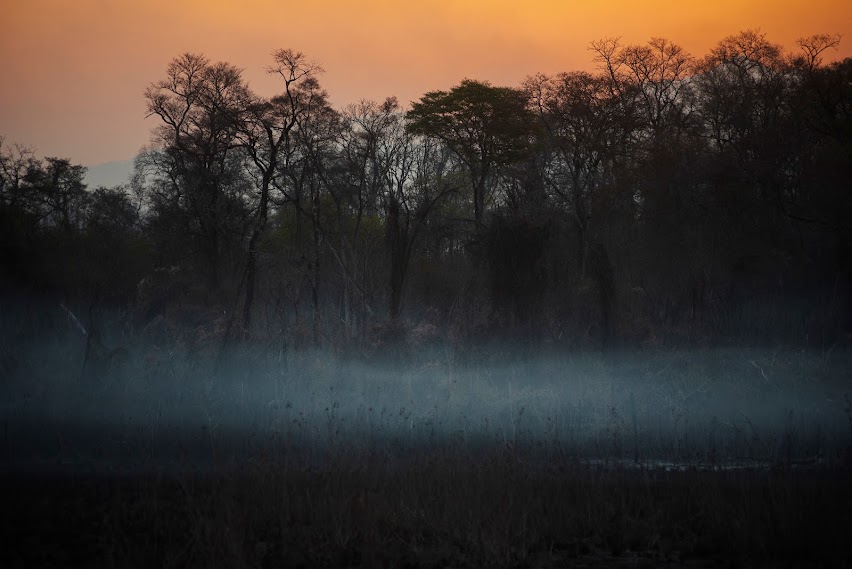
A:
{"x": 159, "y": 409}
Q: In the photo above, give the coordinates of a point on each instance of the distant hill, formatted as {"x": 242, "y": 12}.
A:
{"x": 109, "y": 174}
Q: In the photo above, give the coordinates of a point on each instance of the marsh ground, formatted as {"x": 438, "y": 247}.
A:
{"x": 737, "y": 457}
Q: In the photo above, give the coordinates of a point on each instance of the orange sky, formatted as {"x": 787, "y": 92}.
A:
{"x": 73, "y": 71}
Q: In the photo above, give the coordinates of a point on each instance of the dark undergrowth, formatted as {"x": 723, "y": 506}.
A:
{"x": 492, "y": 510}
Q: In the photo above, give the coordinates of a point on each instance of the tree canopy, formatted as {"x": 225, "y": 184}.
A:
{"x": 662, "y": 198}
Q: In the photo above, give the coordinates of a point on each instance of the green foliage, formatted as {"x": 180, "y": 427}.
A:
{"x": 487, "y": 128}
{"x": 484, "y": 125}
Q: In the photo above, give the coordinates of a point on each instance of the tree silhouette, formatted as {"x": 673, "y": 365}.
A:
{"x": 200, "y": 105}
{"x": 661, "y": 198}
{"x": 266, "y": 131}
{"x": 486, "y": 127}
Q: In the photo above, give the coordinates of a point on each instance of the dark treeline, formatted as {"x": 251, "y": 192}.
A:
{"x": 664, "y": 199}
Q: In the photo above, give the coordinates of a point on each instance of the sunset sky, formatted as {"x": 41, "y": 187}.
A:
{"x": 74, "y": 72}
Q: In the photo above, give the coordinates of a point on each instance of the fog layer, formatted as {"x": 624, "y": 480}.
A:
{"x": 163, "y": 410}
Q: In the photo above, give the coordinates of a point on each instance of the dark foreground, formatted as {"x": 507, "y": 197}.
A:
{"x": 494, "y": 510}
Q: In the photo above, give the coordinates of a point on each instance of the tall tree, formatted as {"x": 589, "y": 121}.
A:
{"x": 317, "y": 133}
{"x": 654, "y": 81}
{"x": 412, "y": 182}
{"x": 485, "y": 127}
{"x": 586, "y": 129}
{"x": 266, "y": 132}
{"x": 200, "y": 105}
{"x": 744, "y": 103}
{"x": 57, "y": 193}
{"x": 15, "y": 161}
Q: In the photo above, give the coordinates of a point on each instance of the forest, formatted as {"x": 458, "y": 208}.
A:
{"x": 663, "y": 200}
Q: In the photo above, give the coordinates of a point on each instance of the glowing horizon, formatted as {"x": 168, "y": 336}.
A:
{"x": 74, "y": 73}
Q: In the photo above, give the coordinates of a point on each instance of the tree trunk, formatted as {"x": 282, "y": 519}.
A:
{"x": 603, "y": 274}
{"x": 398, "y": 247}
{"x": 397, "y": 278}
{"x": 316, "y": 270}
{"x": 251, "y": 261}
{"x": 479, "y": 200}
{"x": 251, "y": 271}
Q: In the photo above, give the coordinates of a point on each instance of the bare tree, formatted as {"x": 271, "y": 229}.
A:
{"x": 200, "y": 105}
{"x": 266, "y": 132}
{"x": 585, "y": 130}
{"x": 309, "y": 180}
{"x": 15, "y": 161}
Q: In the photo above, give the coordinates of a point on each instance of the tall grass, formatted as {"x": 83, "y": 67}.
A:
{"x": 164, "y": 459}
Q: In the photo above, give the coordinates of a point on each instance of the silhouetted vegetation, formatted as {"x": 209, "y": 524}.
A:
{"x": 442, "y": 511}
{"x": 475, "y": 332}
{"x": 664, "y": 200}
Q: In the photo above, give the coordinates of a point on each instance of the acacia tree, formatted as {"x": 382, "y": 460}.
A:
{"x": 200, "y": 105}
{"x": 485, "y": 127}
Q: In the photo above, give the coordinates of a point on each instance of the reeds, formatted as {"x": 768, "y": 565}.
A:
{"x": 739, "y": 457}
